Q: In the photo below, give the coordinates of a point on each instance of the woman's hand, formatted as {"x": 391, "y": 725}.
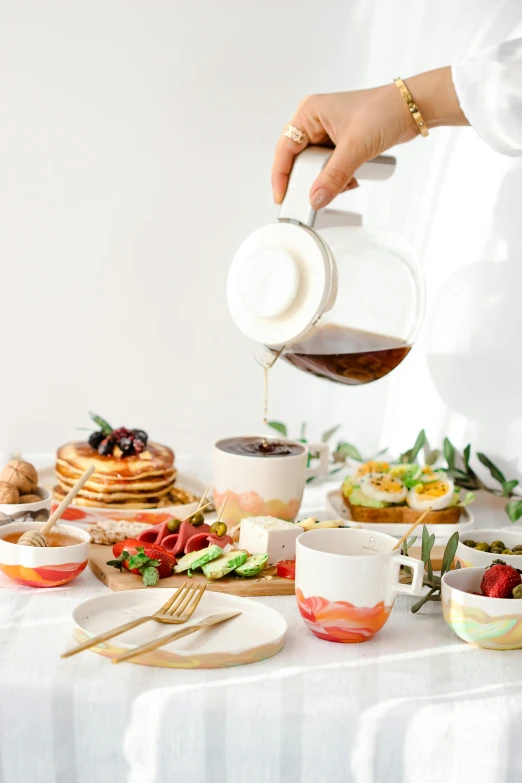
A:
{"x": 361, "y": 125}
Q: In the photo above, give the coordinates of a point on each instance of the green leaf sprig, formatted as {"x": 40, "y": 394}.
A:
{"x": 458, "y": 468}
{"x": 102, "y": 424}
{"x": 431, "y": 580}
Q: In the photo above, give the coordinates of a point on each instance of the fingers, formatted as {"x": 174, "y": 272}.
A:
{"x": 286, "y": 152}
{"x": 336, "y": 176}
{"x": 306, "y": 119}
{"x": 351, "y": 185}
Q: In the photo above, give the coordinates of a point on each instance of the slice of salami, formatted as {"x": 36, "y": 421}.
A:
{"x": 154, "y": 535}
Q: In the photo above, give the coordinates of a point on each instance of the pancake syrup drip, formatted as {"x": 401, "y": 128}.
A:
{"x": 349, "y": 356}
{"x": 259, "y": 447}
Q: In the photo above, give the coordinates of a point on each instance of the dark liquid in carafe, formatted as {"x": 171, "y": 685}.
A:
{"x": 348, "y": 356}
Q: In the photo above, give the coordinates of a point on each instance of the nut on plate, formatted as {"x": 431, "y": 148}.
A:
{"x": 8, "y": 493}
{"x": 29, "y": 499}
{"x": 22, "y": 475}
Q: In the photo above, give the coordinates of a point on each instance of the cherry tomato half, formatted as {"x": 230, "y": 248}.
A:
{"x": 286, "y": 569}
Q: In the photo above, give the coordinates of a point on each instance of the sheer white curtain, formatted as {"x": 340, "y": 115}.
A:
{"x": 135, "y": 147}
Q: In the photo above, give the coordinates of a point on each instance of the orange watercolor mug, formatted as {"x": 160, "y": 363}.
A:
{"x": 346, "y": 581}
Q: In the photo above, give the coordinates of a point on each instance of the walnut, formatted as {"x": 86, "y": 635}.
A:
{"x": 8, "y": 493}
{"x": 29, "y": 499}
{"x": 21, "y": 475}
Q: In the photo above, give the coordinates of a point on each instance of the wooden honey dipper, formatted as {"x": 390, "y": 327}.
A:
{"x": 37, "y": 537}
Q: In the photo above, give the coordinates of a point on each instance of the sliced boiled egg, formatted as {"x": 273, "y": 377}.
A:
{"x": 428, "y": 474}
{"x": 383, "y": 487}
{"x": 434, "y": 494}
{"x": 372, "y": 467}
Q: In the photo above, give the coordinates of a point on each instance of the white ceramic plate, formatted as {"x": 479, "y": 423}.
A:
{"x": 442, "y": 532}
{"x": 89, "y": 515}
{"x": 257, "y": 633}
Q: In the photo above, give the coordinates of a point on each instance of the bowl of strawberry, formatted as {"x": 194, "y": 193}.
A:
{"x": 483, "y": 606}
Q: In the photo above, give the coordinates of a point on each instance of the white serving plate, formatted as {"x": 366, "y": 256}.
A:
{"x": 257, "y": 633}
{"x": 442, "y": 532}
{"x": 90, "y": 515}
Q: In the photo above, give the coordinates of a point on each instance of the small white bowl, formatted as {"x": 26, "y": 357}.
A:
{"x": 492, "y": 623}
{"x": 470, "y": 558}
{"x": 39, "y": 566}
{"x": 21, "y": 510}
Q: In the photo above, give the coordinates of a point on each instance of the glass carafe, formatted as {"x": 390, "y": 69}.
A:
{"x": 342, "y": 302}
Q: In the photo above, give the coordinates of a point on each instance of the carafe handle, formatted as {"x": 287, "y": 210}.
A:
{"x": 307, "y": 166}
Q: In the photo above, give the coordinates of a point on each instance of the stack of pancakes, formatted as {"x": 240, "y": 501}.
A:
{"x": 135, "y": 482}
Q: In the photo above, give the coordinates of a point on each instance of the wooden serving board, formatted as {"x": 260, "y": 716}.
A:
{"x": 248, "y": 587}
{"x": 267, "y": 583}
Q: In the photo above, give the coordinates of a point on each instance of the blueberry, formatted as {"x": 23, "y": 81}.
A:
{"x": 106, "y": 446}
{"x": 141, "y": 435}
{"x": 95, "y": 439}
{"x": 126, "y": 444}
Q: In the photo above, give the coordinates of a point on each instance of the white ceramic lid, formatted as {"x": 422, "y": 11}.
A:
{"x": 281, "y": 279}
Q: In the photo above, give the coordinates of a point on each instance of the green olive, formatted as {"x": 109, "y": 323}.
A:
{"x": 218, "y": 529}
{"x": 482, "y": 546}
{"x": 517, "y": 548}
{"x": 469, "y": 542}
{"x": 173, "y": 525}
{"x": 498, "y": 544}
{"x": 197, "y": 519}
{"x": 507, "y": 551}
{"x": 517, "y": 591}
{"x": 496, "y": 550}
{"x": 517, "y": 551}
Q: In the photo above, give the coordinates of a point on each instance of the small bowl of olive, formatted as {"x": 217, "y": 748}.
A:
{"x": 482, "y": 547}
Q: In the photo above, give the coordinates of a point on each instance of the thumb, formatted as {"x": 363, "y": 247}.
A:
{"x": 335, "y": 176}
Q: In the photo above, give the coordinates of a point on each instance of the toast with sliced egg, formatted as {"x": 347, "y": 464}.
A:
{"x": 381, "y": 492}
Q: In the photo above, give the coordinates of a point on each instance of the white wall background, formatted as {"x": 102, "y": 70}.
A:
{"x": 136, "y": 140}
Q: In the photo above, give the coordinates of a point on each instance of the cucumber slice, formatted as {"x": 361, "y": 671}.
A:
{"x": 196, "y": 559}
{"x": 224, "y": 564}
{"x": 253, "y": 566}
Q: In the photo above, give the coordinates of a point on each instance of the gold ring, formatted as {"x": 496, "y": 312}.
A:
{"x": 291, "y": 132}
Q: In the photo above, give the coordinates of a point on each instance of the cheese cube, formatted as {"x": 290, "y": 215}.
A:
{"x": 267, "y": 534}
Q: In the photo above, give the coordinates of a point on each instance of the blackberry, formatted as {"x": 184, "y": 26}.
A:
{"x": 95, "y": 439}
{"x": 141, "y": 435}
{"x": 106, "y": 446}
{"x": 122, "y": 432}
{"x": 139, "y": 445}
{"x": 126, "y": 444}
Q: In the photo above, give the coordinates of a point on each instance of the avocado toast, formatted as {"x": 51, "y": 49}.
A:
{"x": 380, "y": 492}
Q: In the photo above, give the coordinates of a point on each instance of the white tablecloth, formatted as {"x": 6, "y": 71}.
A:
{"x": 413, "y": 705}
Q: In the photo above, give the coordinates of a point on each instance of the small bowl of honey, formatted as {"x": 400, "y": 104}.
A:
{"x": 60, "y": 562}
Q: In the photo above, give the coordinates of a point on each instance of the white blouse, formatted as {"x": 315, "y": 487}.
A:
{"x": 489, "y": 88}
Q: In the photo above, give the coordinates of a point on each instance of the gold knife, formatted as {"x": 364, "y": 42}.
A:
{"x": 206, "y": 623}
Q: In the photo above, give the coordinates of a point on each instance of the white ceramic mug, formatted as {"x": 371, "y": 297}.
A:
{"x": 346, "y": 581}
{"x": 259, "y": 485}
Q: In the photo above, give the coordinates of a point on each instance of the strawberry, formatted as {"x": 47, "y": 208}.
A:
{"x": 150, "y": 561}
{"x": 118, "y": 548}
{"x": 499, "y": 579}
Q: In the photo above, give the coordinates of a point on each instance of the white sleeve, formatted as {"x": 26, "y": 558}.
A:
{"x": 489, "y": 89}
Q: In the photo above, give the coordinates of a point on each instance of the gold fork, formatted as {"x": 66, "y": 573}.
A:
{"x": 178, "y": 609}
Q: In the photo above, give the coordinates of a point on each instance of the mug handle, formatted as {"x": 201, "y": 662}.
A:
{"x": 322, "y": 468}
{"x": 417, "y": 567}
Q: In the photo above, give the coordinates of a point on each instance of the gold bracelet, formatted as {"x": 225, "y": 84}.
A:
{"x": 412, "y": 106}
